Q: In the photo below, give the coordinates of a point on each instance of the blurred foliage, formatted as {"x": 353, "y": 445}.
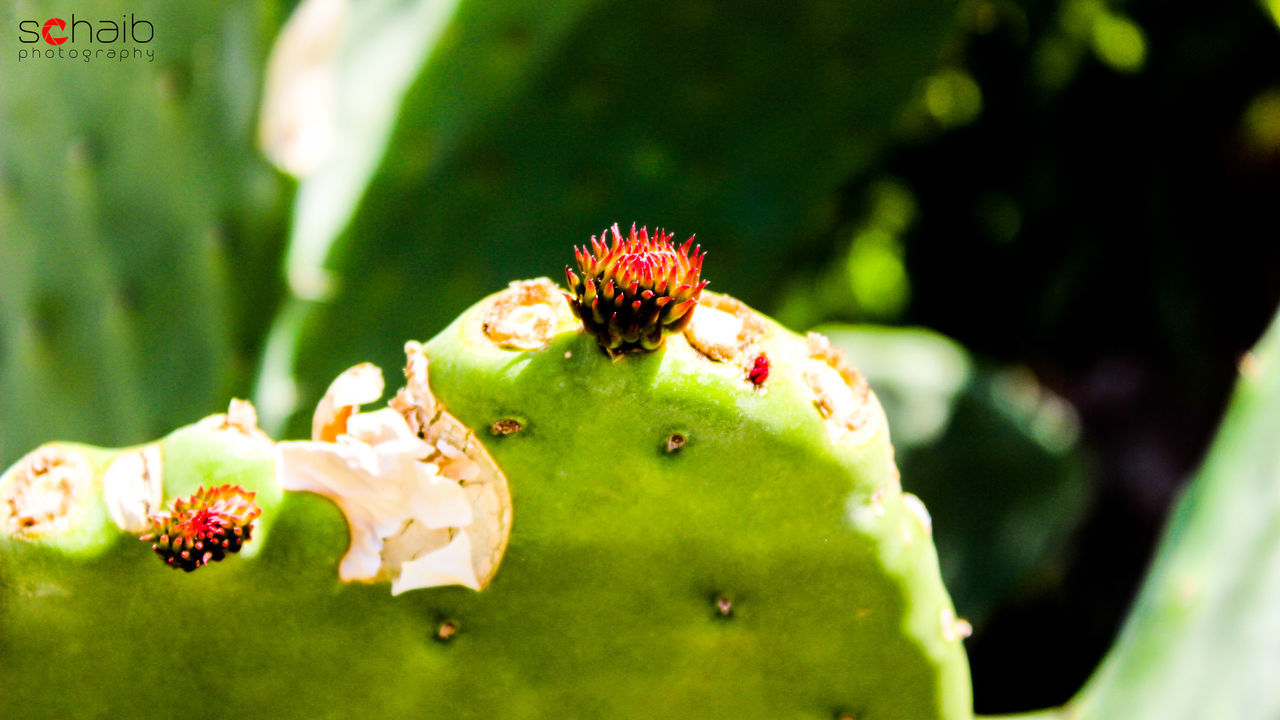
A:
{"x": 139, "y": 231}
{"x": 1091, "y": 188}
{"x": 335, "y": 80}
{"x": 1274, "y": 7}
{"x": 1112, "y": 228}
{"x": 1203, "y": 640}
{"x": 869, "y": 281}
{"x": 528, "y": 132}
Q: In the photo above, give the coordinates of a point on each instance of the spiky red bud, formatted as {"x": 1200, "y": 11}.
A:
{"x": 204, "y": 527}
{"x": 636, "y": 290}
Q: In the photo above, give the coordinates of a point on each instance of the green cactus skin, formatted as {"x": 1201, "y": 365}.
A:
{"x": 765, "y": 568}
{"x": 829, "y": 615}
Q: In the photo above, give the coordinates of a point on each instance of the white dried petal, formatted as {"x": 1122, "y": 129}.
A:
{"x": 492, "y": 507}
{"x": 379, "y": 488}
{"x": 449, "y": 565}
{"x": 462, "y": 456}
{"x": 133, "y": 488}
{"x": 413, "y": 509}
{"x": 357, "y": 386}
{"x": 337, "y": 470}
{"x": 385, "y": 426}
{"x": 449, "y": 450}
{"x": 416, "y": 392}
{"x": 462, "y": 469}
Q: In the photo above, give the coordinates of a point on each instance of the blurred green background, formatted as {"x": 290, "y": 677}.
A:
{"x": 1045, "y": 230}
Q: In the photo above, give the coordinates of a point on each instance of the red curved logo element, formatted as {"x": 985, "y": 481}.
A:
{"x": 58, "y": 23}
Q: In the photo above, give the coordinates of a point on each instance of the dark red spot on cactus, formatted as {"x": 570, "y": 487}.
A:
{"x": 637, "y": 290}
{"x": 759, "y": 371}
{"x": 203, "y": 528}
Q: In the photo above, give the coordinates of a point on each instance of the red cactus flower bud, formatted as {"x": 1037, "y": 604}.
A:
{"x": 204, "y": 527}
{"x": 635, "y": 290}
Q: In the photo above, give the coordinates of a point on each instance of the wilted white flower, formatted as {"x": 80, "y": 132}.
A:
{"x": 422, "y": 511}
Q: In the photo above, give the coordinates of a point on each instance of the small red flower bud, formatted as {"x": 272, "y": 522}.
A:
{"x": 636, "y": 290}
{"x": 204, "y": 527}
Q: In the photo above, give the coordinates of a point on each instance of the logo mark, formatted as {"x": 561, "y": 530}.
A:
{"x": 58, "y": 23}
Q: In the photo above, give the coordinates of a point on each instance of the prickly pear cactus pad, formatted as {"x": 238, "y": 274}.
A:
{"x": 700, "y": 523}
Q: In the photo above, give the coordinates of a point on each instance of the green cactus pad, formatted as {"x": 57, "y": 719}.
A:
{"x": 792, "y": 518}
{"x": 687, "y": 539}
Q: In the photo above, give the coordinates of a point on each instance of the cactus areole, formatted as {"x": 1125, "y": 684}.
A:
{"x": 702, "y": 521}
